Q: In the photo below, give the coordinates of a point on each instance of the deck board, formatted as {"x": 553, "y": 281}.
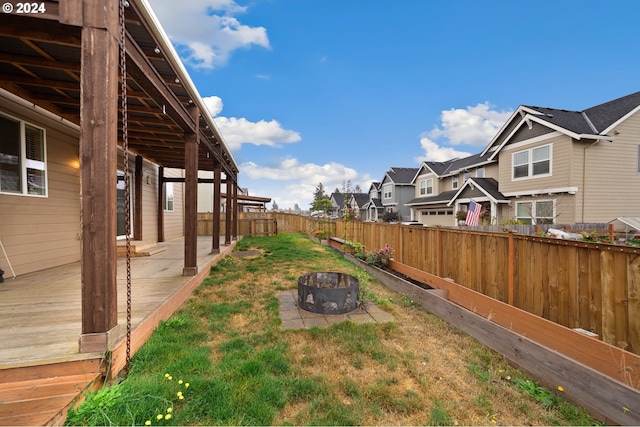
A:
{"x": 42, "y": 372}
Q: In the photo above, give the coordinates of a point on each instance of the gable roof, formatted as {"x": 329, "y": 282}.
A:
{"x": 488, "y": 186}
{"x": 360, "y": 198}
{"x": 401, "y": 176}
{"x": 593, "y": 123}
{"x": 455, "y": 166}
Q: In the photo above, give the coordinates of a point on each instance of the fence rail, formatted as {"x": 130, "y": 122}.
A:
{"x": 592, "y": 286}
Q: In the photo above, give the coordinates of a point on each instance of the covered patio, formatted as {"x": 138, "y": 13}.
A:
{"x": 40, "y": 320}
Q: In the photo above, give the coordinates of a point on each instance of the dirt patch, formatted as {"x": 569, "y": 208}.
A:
{"x": 250, "y": 254}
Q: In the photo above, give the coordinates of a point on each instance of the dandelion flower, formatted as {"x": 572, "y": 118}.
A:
{"x": 147, "y": 423}
{"x": 159, "y": 416}
{"x": 180, "y": 381}
{"x": 168, "y": 416}
{"x": 560, "y": 388}
{"x": 181, "y": 397}
{"x": 186, "y": 385}
{"x": 169, "y": 410}
{"x": 170, "y": 378}
{"x": 166, "y": 375}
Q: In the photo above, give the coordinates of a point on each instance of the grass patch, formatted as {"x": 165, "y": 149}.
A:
{"x": 222, "y": 359}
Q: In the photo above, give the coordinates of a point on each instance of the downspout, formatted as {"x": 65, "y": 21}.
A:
{"x": 584, "y": 162}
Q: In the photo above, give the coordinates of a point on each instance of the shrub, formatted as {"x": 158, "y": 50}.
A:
{"x": 381, "y": 257}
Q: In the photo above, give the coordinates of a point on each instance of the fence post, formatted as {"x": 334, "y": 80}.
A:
{"x": 611, "y": 234}
{"x": 438, "y": 252}
{"x": 511, "y": 269}
{"x": 401, "y": 258}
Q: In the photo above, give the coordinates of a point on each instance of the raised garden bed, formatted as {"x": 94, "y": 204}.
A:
{"x": 609, "y": 399}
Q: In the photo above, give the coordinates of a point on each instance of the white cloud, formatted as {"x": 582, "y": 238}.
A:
{"x": 471, "y": 126}
{"x": 435, "y": 153}
{"x": 289, "y": 182}
{"x": 213, "y": 104}
{"x": 205, "y": 32}
{"x": 238, "y": 131}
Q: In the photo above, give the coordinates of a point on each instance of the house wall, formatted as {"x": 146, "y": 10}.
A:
{"x": 561, "y": 170}
{"x": 612, "y": 181}
{"x": 174, "y": 221}
{"x": 43, "y": 232}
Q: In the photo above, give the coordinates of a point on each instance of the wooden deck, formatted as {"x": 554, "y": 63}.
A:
{"x": 42, "y": 372}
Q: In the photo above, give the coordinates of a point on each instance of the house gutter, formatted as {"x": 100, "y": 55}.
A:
{"x": 174, "y": 59}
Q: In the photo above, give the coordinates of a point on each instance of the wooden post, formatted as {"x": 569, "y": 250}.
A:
{"x": 228, "y": 208}
{"x": 217, "y": 177}
{"x": 399, "y": 252}
{"x": 160, "y": 213}
{"x": 98, "y": 163}
{"x": 511, "y": 269}
{"x": 235, "y": 211}
{"x": 438, "y": 252}
{"x": 191, "y": 197}
{"x": 137, "y": 200}
{"x": 612, "y": 234}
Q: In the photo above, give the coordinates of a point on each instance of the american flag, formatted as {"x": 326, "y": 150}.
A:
{"x": 473, "y": 213}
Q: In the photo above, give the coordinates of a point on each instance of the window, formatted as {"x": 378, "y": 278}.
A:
{"x": 538, "y": 212}
{"x": 454, "y": 182}
{"x": 23, "y": 162}
{"x": 387, "y": 191}
{"x": 480, "y": 172}
{"x": 467, "y": 175}
{"x": 532, "y": 163}
{"x": 426, "y": 187}
{"x": 168, "y": 196}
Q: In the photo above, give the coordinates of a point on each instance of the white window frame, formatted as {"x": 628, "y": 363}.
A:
{"x": 530, "y": 163}
{"x": 454, "y": 182}
{"x": 26, "y": 163}
{"x": 169, "y": 198}
{"x": 532, "y": 216}
{"x": 426, "y": 187}
{"x": 387, "y": 191}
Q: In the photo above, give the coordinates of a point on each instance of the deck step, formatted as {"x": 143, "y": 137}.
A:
{"x": 42, "y": 395}
{"x": 140, "y": 248}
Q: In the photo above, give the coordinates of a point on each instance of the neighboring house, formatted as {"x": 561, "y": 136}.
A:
{"x": 373, "y": 208}
{"x": 61, "y": 158}
{"x": 356, "y": 203}
{"x": 437, "y": 183}
{"x": 545, "y": 165}
{"x": 340, "y": 201}
{"x": 397, "y": 190}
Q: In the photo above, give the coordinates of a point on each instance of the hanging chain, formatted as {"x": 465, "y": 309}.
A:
{"x": 127, "y": 190}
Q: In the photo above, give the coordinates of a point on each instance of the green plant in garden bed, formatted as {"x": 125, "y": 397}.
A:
{"x": 244, "y": 369}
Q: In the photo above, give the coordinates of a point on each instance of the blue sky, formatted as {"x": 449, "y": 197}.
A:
{"x": 309, "y": 91}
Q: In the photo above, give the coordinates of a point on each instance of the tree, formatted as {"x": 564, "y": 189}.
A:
{"x": 318, "y": 194}
{"x": 323, "y": 205}
{"x": 358, "y": 189}
{"x": 296, "y": 208}
{"x": 274, "y": 207}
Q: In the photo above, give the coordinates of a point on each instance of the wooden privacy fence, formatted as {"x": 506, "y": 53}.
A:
{"x": 248, "y": 225}
{"x": 592, "y": 286}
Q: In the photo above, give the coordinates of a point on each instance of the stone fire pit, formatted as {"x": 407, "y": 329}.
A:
{"x": 328, "y": 293}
